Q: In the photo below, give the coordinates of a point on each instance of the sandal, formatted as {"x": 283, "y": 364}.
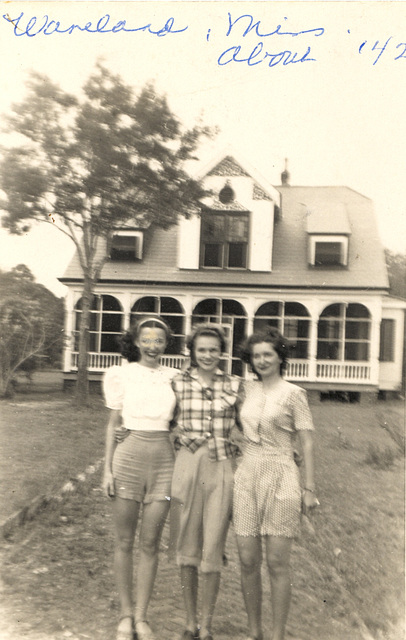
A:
{"x": 143, "y": 630}
{"x": 126, "y": 634}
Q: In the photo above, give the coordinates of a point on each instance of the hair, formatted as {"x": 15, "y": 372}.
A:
{"x": 209, "y": 330}
{"x": 274, "y": 337}
{"x": 129, "y": 349}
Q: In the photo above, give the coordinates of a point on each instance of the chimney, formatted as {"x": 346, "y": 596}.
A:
{"x": 285, "y": 175}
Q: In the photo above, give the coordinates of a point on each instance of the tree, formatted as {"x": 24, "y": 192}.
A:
{"x": 396, "y": 264}
{"x": 31, "y": 325}
{"x": 89, "y": 165}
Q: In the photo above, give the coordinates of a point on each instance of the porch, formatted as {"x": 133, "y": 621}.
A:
{"x": 315, "y": 374}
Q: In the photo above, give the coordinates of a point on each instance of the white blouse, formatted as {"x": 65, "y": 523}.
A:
{"x": 143, "y": 395}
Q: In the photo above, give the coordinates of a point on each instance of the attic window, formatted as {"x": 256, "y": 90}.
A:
{"x": 224, "y": 241}
{"x": 226, "y": 195}
{"x": 328, "y": 251}
{"x": 127, "y": 246}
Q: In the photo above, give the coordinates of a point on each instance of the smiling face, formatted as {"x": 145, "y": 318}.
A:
{"x": 207, "y": 353}
{"x": 151, "y": 343}
{"x": 265, "y": 360}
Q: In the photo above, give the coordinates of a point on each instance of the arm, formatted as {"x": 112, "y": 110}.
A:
{"x": 309, "y": 496}
{"x": 108, "y": 481}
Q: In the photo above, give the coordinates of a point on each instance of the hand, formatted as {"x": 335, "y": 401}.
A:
{"x": 237, "y": 437}
{"x": 309, "y": 502}
{"x": 120, "y": 434}
{"x": 108, "y": 484}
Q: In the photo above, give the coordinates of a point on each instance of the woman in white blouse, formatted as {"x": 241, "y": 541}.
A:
{"x": 139, "y": 469}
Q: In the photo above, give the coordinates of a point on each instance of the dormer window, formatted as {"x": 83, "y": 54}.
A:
{"x": 328, "y": 251}
{"x": 127, "y": 246}
{"x": 224, "y": 240}
{"x": 328, "y": 231}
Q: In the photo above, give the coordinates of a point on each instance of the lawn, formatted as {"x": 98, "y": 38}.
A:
{"x": 45, "y": 440}
{"x": 348, "y": 566}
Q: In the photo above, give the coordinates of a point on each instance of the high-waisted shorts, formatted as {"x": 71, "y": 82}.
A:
{"x": 143, "y": 466}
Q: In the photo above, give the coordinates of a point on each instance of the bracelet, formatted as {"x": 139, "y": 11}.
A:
{"x": 311, "y": 490}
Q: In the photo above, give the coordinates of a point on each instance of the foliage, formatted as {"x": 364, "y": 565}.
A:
{"x": 380, "y": 458}
{"x": 92, "y": 164}
{"x": 396, "y": 264}
{"x": 31, "y": 325}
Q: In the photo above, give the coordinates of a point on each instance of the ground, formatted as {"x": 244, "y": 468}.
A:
{"x": 56, "y": 576}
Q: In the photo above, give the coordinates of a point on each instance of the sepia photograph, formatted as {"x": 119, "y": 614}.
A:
{"x": 202, "y": 320}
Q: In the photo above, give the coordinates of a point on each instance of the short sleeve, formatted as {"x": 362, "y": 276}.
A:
{"x": 302, "y": 418}
{"x": 113, "y": 387}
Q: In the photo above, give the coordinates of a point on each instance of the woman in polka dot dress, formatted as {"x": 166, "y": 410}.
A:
{"x": 268, "y": 500}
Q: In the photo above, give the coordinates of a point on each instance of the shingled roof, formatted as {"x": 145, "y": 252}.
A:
{"x": 366, "y": 264}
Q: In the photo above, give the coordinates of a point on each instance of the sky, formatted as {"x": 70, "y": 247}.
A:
{"x": 322, "y": 84}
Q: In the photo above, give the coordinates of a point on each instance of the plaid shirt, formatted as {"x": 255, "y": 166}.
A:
{"x": 206, "y": 414}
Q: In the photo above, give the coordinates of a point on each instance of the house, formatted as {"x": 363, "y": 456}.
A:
{"x": 305, "y": 259}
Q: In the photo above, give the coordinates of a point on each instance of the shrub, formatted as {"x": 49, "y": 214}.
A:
{"x": 379, "y": 457}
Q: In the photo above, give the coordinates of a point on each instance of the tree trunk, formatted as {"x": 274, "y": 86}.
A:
{"x": 82, "y": 382}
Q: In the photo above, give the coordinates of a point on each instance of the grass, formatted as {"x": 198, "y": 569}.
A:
{"x": 44, "y": 441}
{"x": 348, "y": 565}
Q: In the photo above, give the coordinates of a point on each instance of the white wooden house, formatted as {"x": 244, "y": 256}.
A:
{"x": 305, "y": 259}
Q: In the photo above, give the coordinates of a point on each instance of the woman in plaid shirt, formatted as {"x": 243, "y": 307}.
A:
{"x": 202, "y": 482}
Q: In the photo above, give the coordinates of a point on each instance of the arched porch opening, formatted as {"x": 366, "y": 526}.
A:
{"x": 231, "y": 315}
{"x": 293, "y": 321}
{"x": 171, "y": 311}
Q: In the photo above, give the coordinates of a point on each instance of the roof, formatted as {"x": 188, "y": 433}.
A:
{"x": 328, "y": 218}
{"x": 366, "y": 262}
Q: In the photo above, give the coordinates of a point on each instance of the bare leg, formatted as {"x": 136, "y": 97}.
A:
{"x": 153, "y": 520}
{"x": 250, "y": 552}
{"x": 189, "y": 581}
{"x": 210, "y": 589}
{"x": 125, "y": 514}
{"x": 278, "y": 558}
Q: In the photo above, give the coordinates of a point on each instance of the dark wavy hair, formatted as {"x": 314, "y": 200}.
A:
{"x": 207, "y": 329}
{"x": 128, "y": 348}
{"x": 273, "y": 336}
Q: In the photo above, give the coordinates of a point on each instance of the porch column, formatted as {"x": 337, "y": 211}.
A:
{"x": 375, "y": 340}
{"x": 188, "y": 307}
{"x": 313, "y": 347}
{"x": 69, "y": 324}
{"x": 126, "y": 302}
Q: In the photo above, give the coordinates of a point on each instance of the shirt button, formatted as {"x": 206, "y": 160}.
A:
{"x": 208, "y": 435}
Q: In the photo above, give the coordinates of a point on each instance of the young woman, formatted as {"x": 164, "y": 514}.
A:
{"x": 267, "y": 495}
{"x": 203, "y": 476}
{"x": 138, "y": 470}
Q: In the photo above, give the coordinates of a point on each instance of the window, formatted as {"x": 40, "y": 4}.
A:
{"x": 328, "y": 251}
{"x": 106, "y": 319}
{"x": 127, "y": 246}
{"x": 293, "y": 321}
{"x": 344, "y": 333}
{"x": 387, "y": 343}
{"x": 224, "y": 240}
{"x": 171, "y": 311}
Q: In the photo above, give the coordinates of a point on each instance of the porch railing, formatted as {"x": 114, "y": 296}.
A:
{"x": 328, "y": 370}
{"x": 324, "y": 370}
{"x": 102, "y": 361}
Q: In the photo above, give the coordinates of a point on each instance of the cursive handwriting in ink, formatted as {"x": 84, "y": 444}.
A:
{"x": 285, "y": 57}
{"x": 384, "y": 47}
{"x": 318, "y": 31}
{"x": 47, "y": 27}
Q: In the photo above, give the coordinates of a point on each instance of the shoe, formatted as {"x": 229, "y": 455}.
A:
{"x": 208, "y": 637}
{"x": 190, "y": 635}
{"x": 126, "y": 635}
{"x": 143, "y": 631}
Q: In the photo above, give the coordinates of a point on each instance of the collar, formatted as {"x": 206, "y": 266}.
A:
{"x": 192, "y": 372}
